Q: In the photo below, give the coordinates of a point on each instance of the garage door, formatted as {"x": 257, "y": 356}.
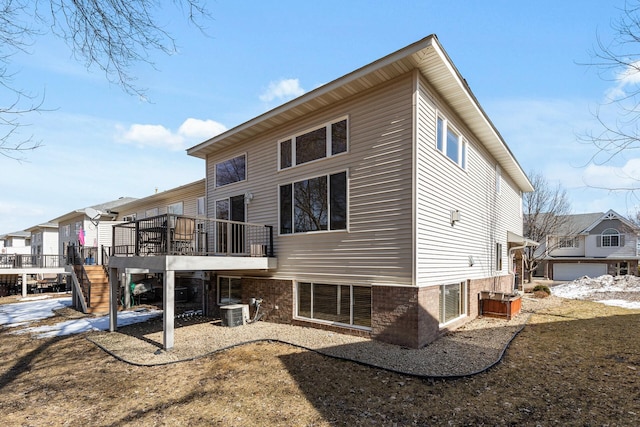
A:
{"x": 575, "y": 271}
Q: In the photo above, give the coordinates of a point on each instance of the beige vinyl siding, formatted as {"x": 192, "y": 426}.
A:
{"x": 187, "y": 194}
{"x": 443, "y": 249}
{"x": 376, "y": 248}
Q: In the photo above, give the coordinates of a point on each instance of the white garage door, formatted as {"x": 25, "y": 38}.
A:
{"x": 575, "y": 271}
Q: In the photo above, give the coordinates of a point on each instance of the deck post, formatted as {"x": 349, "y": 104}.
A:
{"x": 24, "y": 285}
{"x": 127, "y": 291}
{"x": 113, "y": 299}
{"x": 168, "y": 307}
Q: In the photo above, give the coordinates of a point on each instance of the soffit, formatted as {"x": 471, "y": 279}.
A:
{"x": 425, "y": 55}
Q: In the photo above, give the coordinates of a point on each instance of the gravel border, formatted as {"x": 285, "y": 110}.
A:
{"x": 471, "y": 349}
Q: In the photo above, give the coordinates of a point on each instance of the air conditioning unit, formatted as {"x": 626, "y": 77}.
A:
{"x": 235, "y": 314}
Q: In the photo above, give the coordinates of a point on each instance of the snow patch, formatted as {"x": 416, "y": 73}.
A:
{"x": 22, "y": 313}
{"x": 596, "y": 289}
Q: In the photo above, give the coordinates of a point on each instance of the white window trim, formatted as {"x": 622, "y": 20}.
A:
{"x": 328, "y": 142}
{"x": 464, "y": 303}
{"x": 603, "y": 235}
{"x": 568, "y": 242}
{"x": 246, "y": 170}
{"x": 463, "y": 152}
{"x": 328, "y": 175}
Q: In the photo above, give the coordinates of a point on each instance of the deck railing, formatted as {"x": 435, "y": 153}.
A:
{"x": 31, "y": 261}
{"x": 182, "y": 235}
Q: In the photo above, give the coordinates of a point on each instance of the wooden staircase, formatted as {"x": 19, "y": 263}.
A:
{"x": 99, "y": 297}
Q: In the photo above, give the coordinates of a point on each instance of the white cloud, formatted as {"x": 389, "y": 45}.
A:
{"x": 283, "y": 89}
{"x": 626, "y": 176}
{"x": 630, "y": 76}
{"x": 201, "y": 129}
{"x": 190, "y": 131}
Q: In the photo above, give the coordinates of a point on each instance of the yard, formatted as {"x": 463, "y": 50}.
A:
{"x": 575, "y": 364}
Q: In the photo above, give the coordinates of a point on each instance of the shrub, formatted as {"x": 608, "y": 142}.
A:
{"x": 541, "y": 291}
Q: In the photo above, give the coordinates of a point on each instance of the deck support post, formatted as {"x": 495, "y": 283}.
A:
{"x": 24, "y": 285}
{"x": 168, "y": 307}
{"x": 113, "y": 299}
{"x": 127, "y": 290}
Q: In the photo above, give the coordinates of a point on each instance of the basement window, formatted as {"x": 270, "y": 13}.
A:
{"x": 348, "y": 305}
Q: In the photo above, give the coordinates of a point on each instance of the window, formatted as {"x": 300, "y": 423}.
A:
{"x": 453, "y": 301}
{"x": 622, "y": 268}
{"x": 232, "y": 170}
{"x": 201, "y": 206}
{"x": 568, "y": 242}
{"x": 344, "y": 304}
{"x": 611, "y": 237}
{"x": 326, "y": 141}
{"x": 151, "y": 212}
{"x": 229, "y": 290}
{"x": 175, "y": 208}
{"x": 450, "y": 143}
{"x": 315, "y": 204}
{"x": 498, "y": 256}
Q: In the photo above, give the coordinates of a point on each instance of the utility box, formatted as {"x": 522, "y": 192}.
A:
{"x": 234, "y": 315}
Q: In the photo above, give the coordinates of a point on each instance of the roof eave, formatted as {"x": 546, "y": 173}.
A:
{"x": 437, "y": 69}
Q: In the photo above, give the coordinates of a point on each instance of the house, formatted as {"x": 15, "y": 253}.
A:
{"x": 12, "y": 247}
{"x": 591, "y": 245}
{"x": 380, "y": 204}
{"x": 17, "y": 242}
{"x": 88, "y": 229}
{"x": 44, "y": 238}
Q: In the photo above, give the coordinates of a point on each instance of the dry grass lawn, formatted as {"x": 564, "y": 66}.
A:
{"x": 577, "y": 364}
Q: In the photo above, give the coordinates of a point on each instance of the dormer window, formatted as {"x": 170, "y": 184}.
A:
{"x": 611, "y": 238}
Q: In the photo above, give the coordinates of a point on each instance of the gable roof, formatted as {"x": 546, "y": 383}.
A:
{"x": 104, "y": 209}
{"x": 42, "y": 227}
{"x": 17, "y": 234}
{"x": 583, "y": 223}
{"x": 427, "y": 56}
{"x": 611, "y": 214}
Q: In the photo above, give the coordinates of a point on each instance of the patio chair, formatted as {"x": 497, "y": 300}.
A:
{"x": 184, "y": 235}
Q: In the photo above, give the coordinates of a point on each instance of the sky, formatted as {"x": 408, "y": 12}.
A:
{"x": 524, "y": 61}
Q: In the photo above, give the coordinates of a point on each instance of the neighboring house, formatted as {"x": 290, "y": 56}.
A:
{"x": 187, "y": 199}
{"x": 44, "y": 239}
{"x": 17, "y": 242}
{"x": 88, "y": 228}
{"x": 386, "y": 199}
{"x": 592, "y": 245}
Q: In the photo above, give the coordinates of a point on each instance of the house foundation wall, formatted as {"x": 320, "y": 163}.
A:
{"x": 401, "y": 315}
{"x": 408, "y": 316}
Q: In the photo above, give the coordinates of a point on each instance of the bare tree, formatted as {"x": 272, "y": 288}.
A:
{"x": 618, "y": 60}
{"x": 110, "y": 35}
{"x": 546, "y": 213}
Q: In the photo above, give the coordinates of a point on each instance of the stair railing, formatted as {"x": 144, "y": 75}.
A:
{"x": 78, "y": 295}
{"x": 80, "y": 274}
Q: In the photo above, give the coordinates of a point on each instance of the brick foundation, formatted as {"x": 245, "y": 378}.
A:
{"x": 408, "y": 316}
{"x": 401, "y": 315}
